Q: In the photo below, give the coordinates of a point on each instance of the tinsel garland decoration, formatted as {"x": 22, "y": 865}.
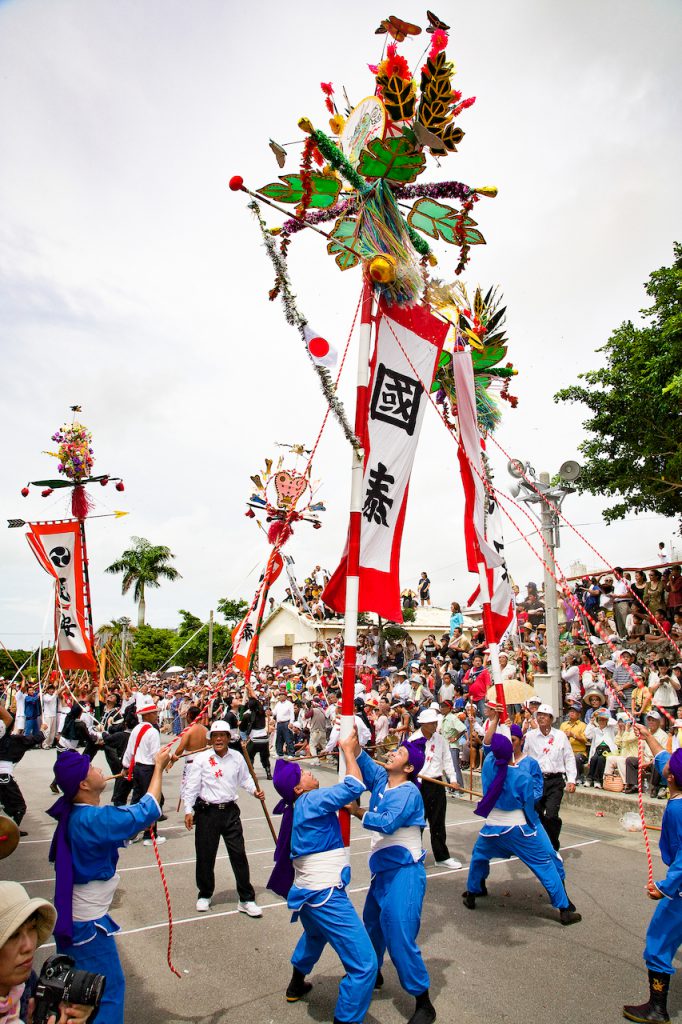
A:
{"x": 435, "y": 190}
{"x": 295, "y": 318}
{"x": 331, "y": 152}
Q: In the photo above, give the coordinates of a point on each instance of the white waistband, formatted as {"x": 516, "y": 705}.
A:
{"x": 506, "y": 818}
{"x": 410, "y": 838}
{"x": 6, "y": 768}
{"x": 93, "y": 899}
{"x": 258, "y": 734}
{"x": 320, "y": 870}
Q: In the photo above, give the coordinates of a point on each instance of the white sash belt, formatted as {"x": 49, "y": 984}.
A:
{"x": 6, "y": 768}
{"x": 318, "y": 871}
{"x": 93, "y": 899}
{"x": 506, "y": 818}
{"x": 410, "y": 838}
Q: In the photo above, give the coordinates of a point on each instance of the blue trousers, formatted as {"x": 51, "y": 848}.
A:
{"x": 535, "y": 851}
{"x": 337, "y": 923}
{"x": 664, "y": 936}
{"x": 32, "y": 727}
{"x": 100, "y": 956}
{"x": 392, "y": 917}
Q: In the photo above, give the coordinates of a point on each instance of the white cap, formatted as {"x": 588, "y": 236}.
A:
{"x": 219, "y": 726}
{"x": 652, "y": 713}
{"x": 545, "y": 709}
{"x": 427, "y": 715}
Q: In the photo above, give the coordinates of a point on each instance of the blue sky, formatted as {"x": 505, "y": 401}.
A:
{"x": 132, "y": 281}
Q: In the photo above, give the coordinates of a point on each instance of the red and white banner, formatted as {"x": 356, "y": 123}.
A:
{"x": 482, "y": 519}
{"x": 245, "y": 635}
{"x": 408, "y": 345}
{"x": 59, "y": 549}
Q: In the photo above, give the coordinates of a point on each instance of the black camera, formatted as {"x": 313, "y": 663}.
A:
{"x": 60, "y": 983}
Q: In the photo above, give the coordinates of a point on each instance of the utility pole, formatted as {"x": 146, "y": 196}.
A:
{"x": 534, "y": 490}
{"x": 124, "y": 638}
{"x": 548, "y": 527}
{"x": 210, "y": 643}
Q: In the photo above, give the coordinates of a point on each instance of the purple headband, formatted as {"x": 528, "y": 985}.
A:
{"x": 517, "y": 731}
{"x": 69, "y": 771}
{"x": 502, "y": 751}
{"x": 675, "y": 767}
{"x": 285, "y": 778}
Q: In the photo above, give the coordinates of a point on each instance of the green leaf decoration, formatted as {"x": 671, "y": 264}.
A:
{"x": 399, "y": 97}
{"x": 490, "y": 355}
{"x": 345, "y": 231}
{"x": 472, "y": 236}
{"x": 444, "y": 360}
{"x": 434, "y": 219}
{"x": 392, "y": 159}
{"x": 289, "y": 189}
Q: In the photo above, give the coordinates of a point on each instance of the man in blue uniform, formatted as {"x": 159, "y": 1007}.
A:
{"x": 513, "y": 829}
{"x": 664, "y": 934}
{"x": 84, "y": 851}
{"x": 392, "y": 913}
{"x": 311, "y": 872}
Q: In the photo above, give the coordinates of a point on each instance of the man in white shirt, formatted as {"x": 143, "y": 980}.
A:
{"x": 622, "y": 599}
{"x": 211, "y": 803}
{"x": 49, "y": 724}
{"x": 139, "y": 758}
{"x": 401, "y": 687}
{"x": 438, "y": 763}
{"x": 552, "y": 750}
{"x": 20, "y": 712}
{"x": 284, "y": 715}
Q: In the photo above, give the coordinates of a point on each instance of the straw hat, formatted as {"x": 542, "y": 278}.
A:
{"x": 16, "y": 906}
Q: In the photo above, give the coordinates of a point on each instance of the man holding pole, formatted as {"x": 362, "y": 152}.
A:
{"x": 438, "y": 763}
{"x": 211, "y": 803}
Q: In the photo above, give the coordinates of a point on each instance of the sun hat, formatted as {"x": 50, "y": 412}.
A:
{"x": 594, "y": 693}
{"x": 219, "y": 726}
{"x": 16, "y": 906}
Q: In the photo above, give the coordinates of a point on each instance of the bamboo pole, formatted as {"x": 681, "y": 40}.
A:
{"x": 249, "y": 765}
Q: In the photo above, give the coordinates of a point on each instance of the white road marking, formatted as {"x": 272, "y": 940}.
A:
{"x": 281, "y": 903}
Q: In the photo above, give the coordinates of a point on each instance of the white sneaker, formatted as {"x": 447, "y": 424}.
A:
{"x": 249, "y": 907}
{"x": 160, "y": 840}
{"x": 597, "y": 785}
{"x": 203, "y": 905}
{"x": 449, "y": 863}
{"x": 315, "y": 762}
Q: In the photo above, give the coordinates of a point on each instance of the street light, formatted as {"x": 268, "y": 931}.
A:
{"x": 542, "y": 488}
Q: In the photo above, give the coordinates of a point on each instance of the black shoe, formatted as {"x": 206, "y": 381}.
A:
{"x": 630, "y": 790}
{"x": 656, "y": 1010}
{"x": 379, "y": 983}
{"x": 54, "y": 788}
{"x": 469, "y": 899}
{"x": 424, "y": 1012}
{"x": 268, "y": 775}
{"x": 298, "y": 987}
{"x": 164, "y": 817}
{"x": 569, "y": 916}
{"x": 22, "y": 834}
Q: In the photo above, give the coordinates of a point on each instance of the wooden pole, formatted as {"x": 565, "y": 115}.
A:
{"x": 210, "y": 643}
{"x": 249, "y": 765}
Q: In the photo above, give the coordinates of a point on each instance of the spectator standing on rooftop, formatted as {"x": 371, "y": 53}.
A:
{"x": 662, "y": 553}
{"x": 424, "y": 588}
{"x": 456, "y": 618}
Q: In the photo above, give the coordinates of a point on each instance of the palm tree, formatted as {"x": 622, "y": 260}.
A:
{"x": 143, "y": 565}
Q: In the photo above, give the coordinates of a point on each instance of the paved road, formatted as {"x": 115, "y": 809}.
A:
{"x": 509, "y": 961}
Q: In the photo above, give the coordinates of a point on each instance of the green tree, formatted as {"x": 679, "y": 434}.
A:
{"x": 634, "y": 450}
{"x": 11, "y": 660}
{"x": 233, "y": 611}
{"x": 152, "y": 648}
{"x": 143, "y": 565}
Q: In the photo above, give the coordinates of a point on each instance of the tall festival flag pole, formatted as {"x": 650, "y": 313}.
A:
{"x": 357, "y": 187}
{"x": 60, "y": 546}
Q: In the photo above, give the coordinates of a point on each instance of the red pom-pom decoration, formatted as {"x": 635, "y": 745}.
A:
{"x": 250, "y": 514}
{"x": 25, "y": 492}
{"x": 47, "y": 492}
{"x": 120, "y": 486}
{"x": 236, "y": 183}
{"x": 104, "y": 481}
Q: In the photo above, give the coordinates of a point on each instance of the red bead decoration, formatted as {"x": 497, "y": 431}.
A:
{"x": 236, "y": 183}
{"x": 24, "y": 491}
{"x": 120, "y": 486}
{"x": 46, "y": 493}
{"x": 104, "y": 481}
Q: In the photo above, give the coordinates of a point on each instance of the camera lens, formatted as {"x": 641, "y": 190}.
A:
{"x": 85, "y": 988}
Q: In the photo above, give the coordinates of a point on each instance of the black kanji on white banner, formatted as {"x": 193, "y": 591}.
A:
{"x": 395, "y": 399}
{"x": 377, "y": 502}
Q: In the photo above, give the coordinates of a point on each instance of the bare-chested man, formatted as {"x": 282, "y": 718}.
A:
{"x": 194, "y": 740}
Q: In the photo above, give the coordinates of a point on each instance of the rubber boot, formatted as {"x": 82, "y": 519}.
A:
{"x": 298, "y": 987}
{"x": 656, "y": 1010}
{"x": 424, "y": 1011}
{"x": 569, "y": 915}
{"x": 469, "y": 899}
{"x": 379, "y": 983}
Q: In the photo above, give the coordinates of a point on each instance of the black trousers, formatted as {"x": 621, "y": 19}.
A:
{"x": 11, "y": 799}
{"x": 122, "y": 790}
{"x": 435, "y": 807}
{"x": 549, "y": 804}
{"x": 210, "y": 826}
{"x": 262, "y": 748}
{"x": 632, "y": 773}
{"x": 596, "y": 769}
{"x": 142, "y": 776}
{"x": 580, "y": 762}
